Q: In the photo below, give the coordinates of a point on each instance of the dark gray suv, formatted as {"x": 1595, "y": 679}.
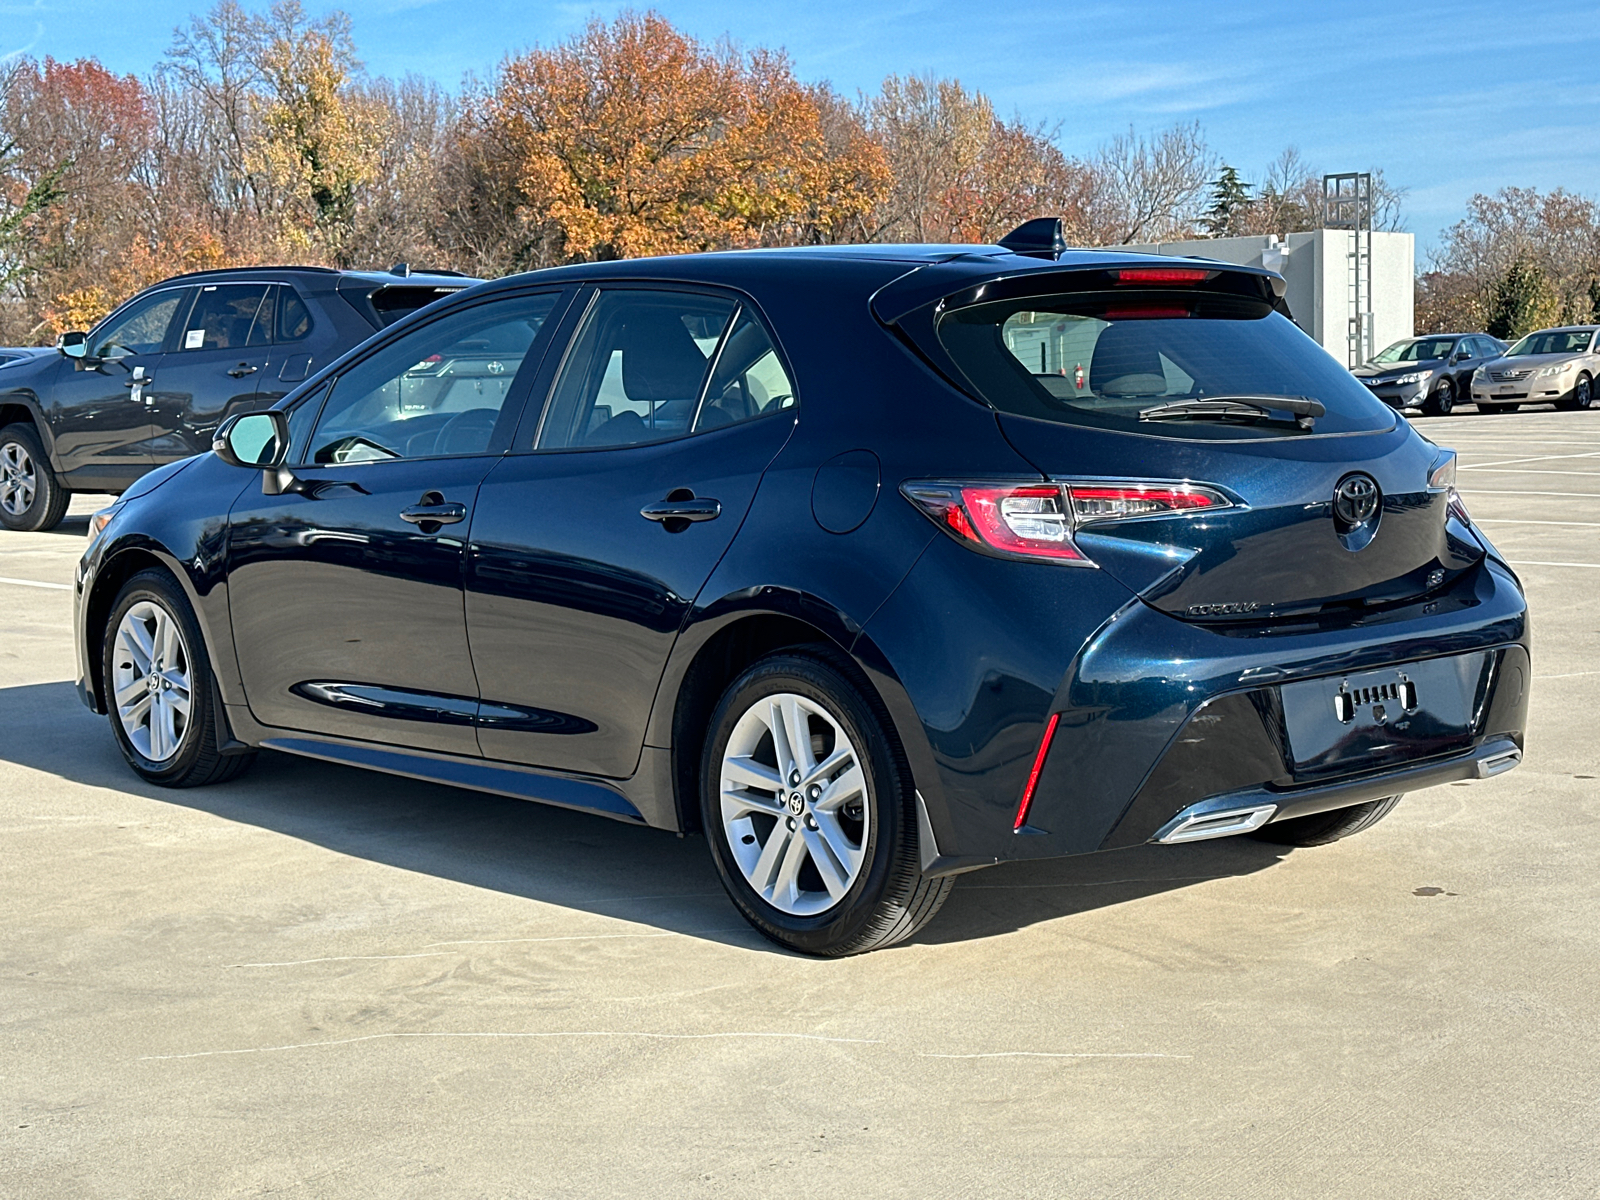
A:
{"x": 151, "y": 382}
{"x": 1429, "y": 373}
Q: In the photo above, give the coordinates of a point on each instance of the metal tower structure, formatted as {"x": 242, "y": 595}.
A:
{"x": 1347, "y": 205}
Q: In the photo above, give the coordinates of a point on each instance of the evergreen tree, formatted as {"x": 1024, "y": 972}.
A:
{"x": 1521, "y": 302}
{"x": 1230, "y": 197}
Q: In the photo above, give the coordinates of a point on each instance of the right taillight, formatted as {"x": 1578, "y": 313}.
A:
{"x": 1036, "y": 519}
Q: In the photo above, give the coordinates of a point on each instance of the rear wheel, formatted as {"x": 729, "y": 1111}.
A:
{"x": 31, "y": 499}
{"x": 158, "y": 687}
{"x": 1321, "y": 828}
{"x": 1442, "y": 401}
{"x": 808, "y": 806}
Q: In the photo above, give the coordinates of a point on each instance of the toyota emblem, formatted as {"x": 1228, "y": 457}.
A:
{"x": 1357, "y": 507}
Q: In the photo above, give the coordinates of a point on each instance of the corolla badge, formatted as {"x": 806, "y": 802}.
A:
{"x": 1357, "y": 508}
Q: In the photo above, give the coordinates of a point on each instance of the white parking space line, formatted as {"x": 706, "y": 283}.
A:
{"x": 38, "y": 583}
{"x": 1528, "y": 471}
{"x": 1520, "y": 521}
{"x": 1506, "y": 462}
{"x": 1515, "y": 562}
{"x": 1477, "y": 491}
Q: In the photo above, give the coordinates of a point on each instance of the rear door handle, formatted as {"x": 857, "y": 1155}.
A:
{"x": 447, "y": 513}
{"x": 692, "y": 509}
{"x": 242, "y": 370}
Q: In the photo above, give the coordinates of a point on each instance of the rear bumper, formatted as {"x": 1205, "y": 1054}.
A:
{"x": 1157, "y": 715}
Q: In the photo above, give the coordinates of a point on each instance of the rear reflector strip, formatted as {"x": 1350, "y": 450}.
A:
{"x": 1033, "y": 775}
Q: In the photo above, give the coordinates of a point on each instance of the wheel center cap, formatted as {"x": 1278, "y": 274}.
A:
{"x": 153, "y": 683}
{"x": 797, "y": 803}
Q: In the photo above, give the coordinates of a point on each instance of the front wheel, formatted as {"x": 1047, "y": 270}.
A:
{"x": 1582, "y": 395}
{"x": 1321, "y": 828}
{"x": 31, "y": 498}
{"x": 1442, "y": 401}
{"x": 158, "y": 687}
{"x": 809, "y": 809}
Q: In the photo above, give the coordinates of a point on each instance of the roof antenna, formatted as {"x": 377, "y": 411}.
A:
{"x": 1038, "y": 238}
{"x": 401, "y": 269}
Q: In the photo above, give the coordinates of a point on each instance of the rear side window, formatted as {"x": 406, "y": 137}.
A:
{"x": 226, "y": 317}
{"x": 1131, "y": 362}
{"x": 638, "y": 369}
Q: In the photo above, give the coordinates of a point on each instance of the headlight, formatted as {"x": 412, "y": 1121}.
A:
{"x": 1557, "y": 369}
{"x": 1414, "y": 377}
{"x": 1477, "y": 375}
{"x": 98, "y": 521}
{"x": 1442, "y": 476}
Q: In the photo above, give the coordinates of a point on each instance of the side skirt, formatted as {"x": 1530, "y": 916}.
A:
{"x": 502, "y": 779}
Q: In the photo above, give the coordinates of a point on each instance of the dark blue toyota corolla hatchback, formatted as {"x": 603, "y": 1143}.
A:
{"x": 875, "y": 564}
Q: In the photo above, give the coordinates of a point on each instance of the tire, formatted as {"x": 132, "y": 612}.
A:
{"x": 182, "y": 751}
{"x": 31, "y": 498}
{"x": 1442, "y": 401}
{"x": 1582, "y": 395}
{"x": 1321, "y": 828}
{"x": 1485, "y": 407}
{"x": 828, "y": 867}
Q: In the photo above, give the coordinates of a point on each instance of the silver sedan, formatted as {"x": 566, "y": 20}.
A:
{"x": 1552, "y": 366}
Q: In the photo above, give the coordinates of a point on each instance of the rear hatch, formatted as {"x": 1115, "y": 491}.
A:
{"x": 1216, "y": 460}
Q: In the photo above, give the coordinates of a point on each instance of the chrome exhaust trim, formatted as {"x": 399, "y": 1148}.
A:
{"x": 1201, "y": 821}
{"x": 1496, "y": 764}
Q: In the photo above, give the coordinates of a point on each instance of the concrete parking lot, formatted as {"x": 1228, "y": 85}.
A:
{"x": 320, "y": 982}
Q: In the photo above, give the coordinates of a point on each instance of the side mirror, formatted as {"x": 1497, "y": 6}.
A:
{"x": 73, "y": 345}
{"x": 258, "y": 439}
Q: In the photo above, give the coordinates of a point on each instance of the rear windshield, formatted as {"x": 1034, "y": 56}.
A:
{"x": 392, "y": 303}
{"x": 1111, "y": 361}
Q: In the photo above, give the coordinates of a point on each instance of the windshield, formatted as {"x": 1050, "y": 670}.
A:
{"x": 1420, "y": 350}
{"x": 1103, "y": 360}
{"x": 1555, "y": 341}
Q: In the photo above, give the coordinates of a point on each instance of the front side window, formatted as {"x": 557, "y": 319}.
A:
{"x": 139, "y": 329}
{"x": 637, "y": 369}
{"x": 1190, "y": 367}
{"x": 226, "y": 316}
{"x": 439, "y": 390}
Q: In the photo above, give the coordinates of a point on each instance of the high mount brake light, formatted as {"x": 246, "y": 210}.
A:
{"x": 1168, "y": 276}
{"x": 1037, "y": 520}
{"x": 1146, "y": 312}
{"x": 1115, "y": 501}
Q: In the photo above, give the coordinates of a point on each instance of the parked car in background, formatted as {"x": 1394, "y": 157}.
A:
{"x": 1552, "y": 366}
{"x": 1428, "y": 373}
{"x": 875, "y": 564}
{"x": 10, "y": 354}
{"x": 151, "y": 383}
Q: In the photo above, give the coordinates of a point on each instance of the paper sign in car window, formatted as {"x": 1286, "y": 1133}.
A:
{"x": 194, "y": 339}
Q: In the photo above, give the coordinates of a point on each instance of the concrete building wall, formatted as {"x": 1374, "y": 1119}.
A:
{"x": 1316, "y": 266}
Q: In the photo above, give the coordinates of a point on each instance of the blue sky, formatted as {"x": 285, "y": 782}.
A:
{"x": 1448, "y": 99}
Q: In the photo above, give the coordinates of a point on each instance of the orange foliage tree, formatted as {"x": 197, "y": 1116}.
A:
{"x": 633, "y": 138}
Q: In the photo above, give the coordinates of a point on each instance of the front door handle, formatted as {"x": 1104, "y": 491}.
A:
{"x": 442, "y": 513}
{"x": 685, "y": 509}
{"x": 242, "y": 370}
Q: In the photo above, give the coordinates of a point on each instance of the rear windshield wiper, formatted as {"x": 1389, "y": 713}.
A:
{"x": 1236, "y": 408}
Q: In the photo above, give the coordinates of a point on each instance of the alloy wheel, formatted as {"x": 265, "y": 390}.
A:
{"x": 151, "y": 674}
{"x": 794, "y": 804}
{"x": 1446, "y": 399}
{"x": 18, "y": 479}
{"x": 1584, "y": 393}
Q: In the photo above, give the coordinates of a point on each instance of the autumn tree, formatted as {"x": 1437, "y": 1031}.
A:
{"x": 960, "y": 173}
{"x": 633, "y": 138}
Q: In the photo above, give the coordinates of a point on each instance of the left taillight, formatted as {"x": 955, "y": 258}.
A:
{"x": 1037, "y": 519}
{"x": 1021, "y": 520}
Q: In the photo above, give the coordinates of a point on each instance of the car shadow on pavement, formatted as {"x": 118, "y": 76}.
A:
{"x": 556, "y": 856}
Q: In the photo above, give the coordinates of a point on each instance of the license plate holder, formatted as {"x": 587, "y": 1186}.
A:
{"x": 1371, "y": 719}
